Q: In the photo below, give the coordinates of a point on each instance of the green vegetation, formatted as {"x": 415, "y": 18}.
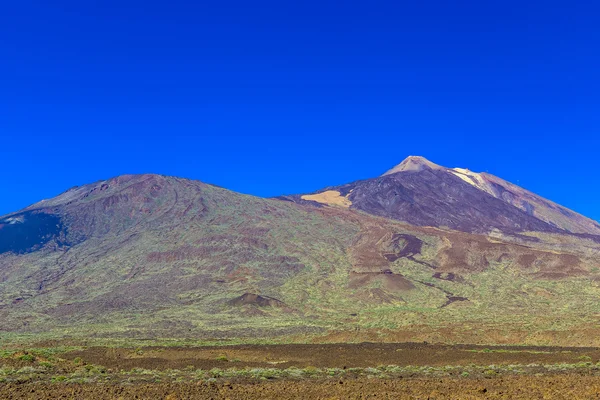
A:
{"x": 15, "y": 367}
{"x": 49, "y": 353}
{"x": 99, "y": 374}
{"x": 27, "y": 357}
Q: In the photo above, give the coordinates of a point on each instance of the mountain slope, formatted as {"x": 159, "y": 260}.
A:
{"x": 150, "y": 243}
{"x": 153, "y": 256}
{"x": 422, "y": 193}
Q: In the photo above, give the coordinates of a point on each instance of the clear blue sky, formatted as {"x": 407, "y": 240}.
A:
{"x": 281, "y": 97}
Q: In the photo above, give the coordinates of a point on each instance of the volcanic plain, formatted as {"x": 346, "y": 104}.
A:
{"x": 310, "y": 371}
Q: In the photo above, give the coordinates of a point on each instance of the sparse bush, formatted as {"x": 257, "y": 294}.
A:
{"x": 27, "y": 370}
{"x": 27, "y": 357}
{"x": 6, "y": 353}
{"x": 143, "y": 371}
{"x": 334, "y": 371}
{"x": 216, "y": 372}
{"x": 46, "y": 364}
{"x": 294, "y": 372}
{"x": 98, "y": 369}
{"x": 5, "y": 370}
{"x": 393, "y": 369}
{"x": 372, "y": 371}
{"x": 310, "y": 370}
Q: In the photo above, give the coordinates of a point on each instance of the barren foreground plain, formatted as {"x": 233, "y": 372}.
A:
{"x": 298, "y": 371}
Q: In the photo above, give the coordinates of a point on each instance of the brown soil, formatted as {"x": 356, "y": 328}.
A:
{"x": 577, "y": 384}
{"x": 326, "y": 356}
{"x": 512, "y": 387}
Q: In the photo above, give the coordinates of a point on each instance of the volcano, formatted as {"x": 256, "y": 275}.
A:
{"x": 422, "y": 252}
{"x": 422, "y": 193}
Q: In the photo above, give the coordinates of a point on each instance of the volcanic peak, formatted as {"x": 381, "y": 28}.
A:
{"x": 413, "y": 164}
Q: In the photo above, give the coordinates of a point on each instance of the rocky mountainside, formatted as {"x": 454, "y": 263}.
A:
{"x": 422, "y": 193}
{"x": 420, "y": 253}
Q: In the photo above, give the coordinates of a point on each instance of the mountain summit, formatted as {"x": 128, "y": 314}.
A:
{"x": 414, "y": 164}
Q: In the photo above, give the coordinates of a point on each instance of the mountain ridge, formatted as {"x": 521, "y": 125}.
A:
{"x": 158, "y": 256}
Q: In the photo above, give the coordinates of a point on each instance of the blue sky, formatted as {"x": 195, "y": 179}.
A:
{"x": 280, "y": 97}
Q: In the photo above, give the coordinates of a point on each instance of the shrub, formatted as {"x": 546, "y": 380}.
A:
{"x": 265, "y": 373}
{"x": 334, "y": 371}
{"x": 98, "y": 369}
{"x": 27, "y": 357}
{"x": 372, "y": 371}
{"x": 393, "y": 369}
{"x": 6, "y": 370}
{"x": 6, "y": 353}
{"x": 27, "y": 370}
{"x": 216, "y": 372}
{"x": 310, "y": 370}
{"x": 46, "y": 364}
{"x": 294, "y": 372}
